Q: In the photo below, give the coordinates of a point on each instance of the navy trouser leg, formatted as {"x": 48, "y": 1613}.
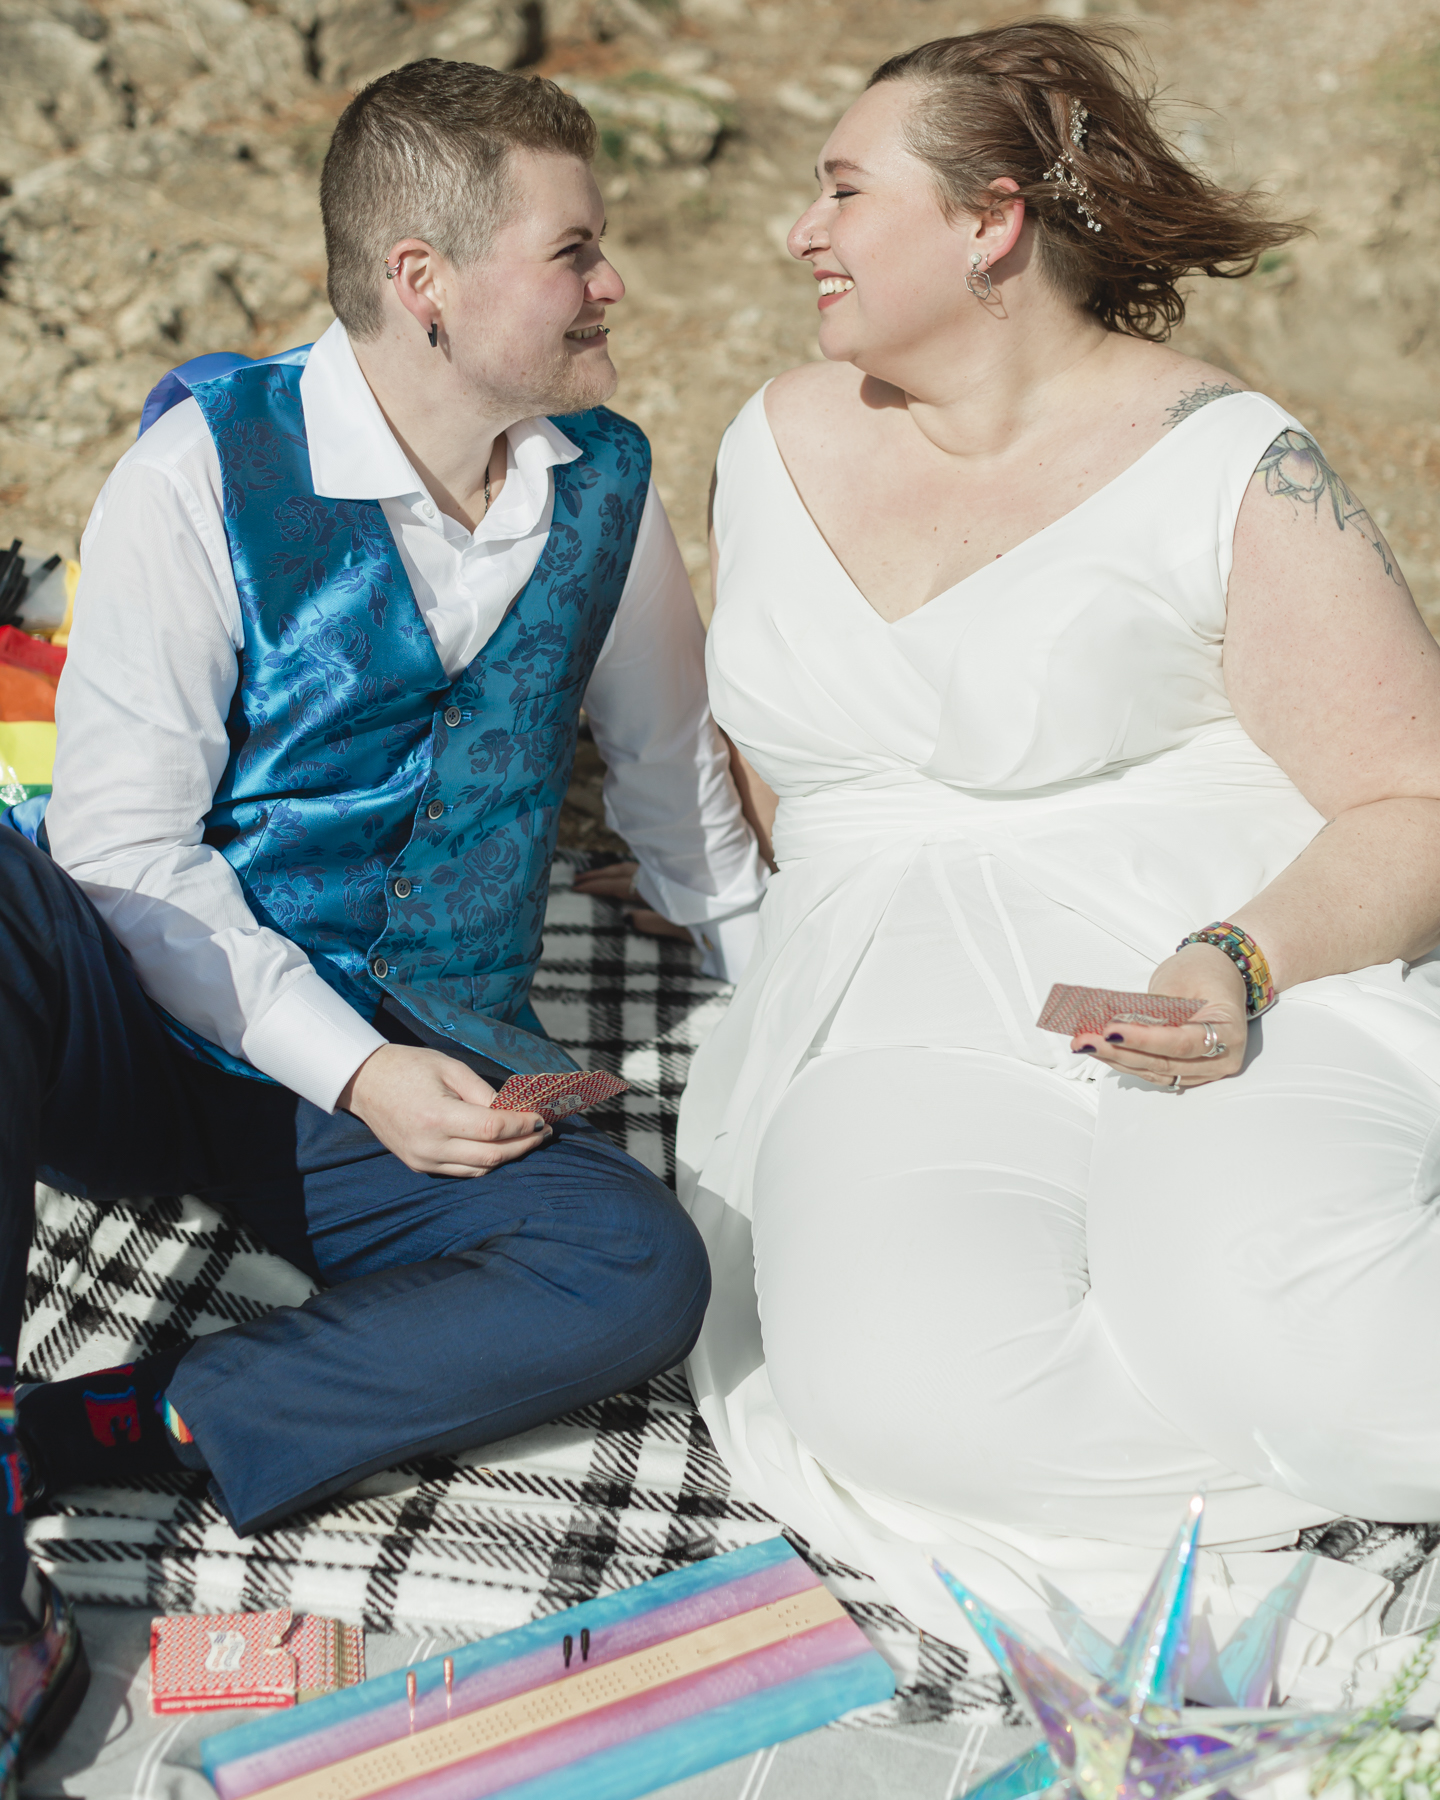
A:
{"x": 458, "y": 1311}
{"x": 87, "y": 1076}
{"x": 463, "y": 1311}
{"x": 93, "y": 1084}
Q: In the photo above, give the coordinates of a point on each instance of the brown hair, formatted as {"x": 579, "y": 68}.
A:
{"x": 998, "y": 103}
{"x": 422, "y": 153}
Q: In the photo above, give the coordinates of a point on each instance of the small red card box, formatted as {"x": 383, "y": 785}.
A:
{"x": 555, "y": 1097}
{"x": 1072, "y": 1009}
{"x": 204, "y": 1663}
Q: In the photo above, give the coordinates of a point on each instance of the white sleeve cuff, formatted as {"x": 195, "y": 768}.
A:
{"x": 310, "y": 1041}
{"x": 728, "y": 944}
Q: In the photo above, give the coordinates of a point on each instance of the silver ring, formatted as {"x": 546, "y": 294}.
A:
{"x": 1213, "y": 1046}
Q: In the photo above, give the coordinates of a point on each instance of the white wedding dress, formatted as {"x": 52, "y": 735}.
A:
{"x": 975, "y": 1296}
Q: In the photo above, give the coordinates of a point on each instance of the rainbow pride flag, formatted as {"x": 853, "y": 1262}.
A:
{"x": 608, "y": 1700}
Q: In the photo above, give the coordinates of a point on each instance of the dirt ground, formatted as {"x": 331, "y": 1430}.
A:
{"x": 183, "y": 218}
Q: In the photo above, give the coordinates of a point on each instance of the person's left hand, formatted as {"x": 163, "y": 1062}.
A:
{"x": 616, "y": 881}
{"x": 1159, "y": 1053}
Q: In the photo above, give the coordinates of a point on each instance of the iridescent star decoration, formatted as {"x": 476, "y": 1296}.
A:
{"x": 1124, "y": 1733}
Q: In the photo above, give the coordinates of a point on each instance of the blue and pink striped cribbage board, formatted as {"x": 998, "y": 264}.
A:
{"x": 608, "y": 1700}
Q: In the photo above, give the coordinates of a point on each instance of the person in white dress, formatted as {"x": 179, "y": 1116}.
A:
{"x": 1046, "y": 647}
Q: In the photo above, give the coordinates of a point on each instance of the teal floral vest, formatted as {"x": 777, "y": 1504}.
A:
{"x": 395, "y": 824}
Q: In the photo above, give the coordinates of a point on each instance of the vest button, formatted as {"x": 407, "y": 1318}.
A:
{"x": 434, "y": 809}
{"x": 401, "y": 889}
{"x": 452, "y": 716}
{"x": 379, "y": 968}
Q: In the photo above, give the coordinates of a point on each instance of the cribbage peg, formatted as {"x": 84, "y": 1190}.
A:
{"x": 585, "y": 1644}
{"x": 410, "y": 1694}
{"x": 449, "y": 1682}
{"x": 569, "y": 1646}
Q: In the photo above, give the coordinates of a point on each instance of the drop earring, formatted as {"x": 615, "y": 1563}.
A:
{"x": 977, "y": 274}
{"x": 434, "y": 334}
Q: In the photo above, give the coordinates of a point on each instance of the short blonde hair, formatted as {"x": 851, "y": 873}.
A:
{"x": 422, "y": 152}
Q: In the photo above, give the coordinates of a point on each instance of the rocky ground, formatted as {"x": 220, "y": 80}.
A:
{"x": 159, "y": 162}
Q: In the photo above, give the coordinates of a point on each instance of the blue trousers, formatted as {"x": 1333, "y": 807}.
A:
{"x": 453, "y": 1312}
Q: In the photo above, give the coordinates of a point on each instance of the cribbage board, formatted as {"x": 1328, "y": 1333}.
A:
{"x": 606, "y": 1701}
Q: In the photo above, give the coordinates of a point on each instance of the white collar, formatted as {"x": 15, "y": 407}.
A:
{"x": 354, "y": 455}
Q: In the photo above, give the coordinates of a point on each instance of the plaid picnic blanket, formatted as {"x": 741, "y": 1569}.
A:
{"x": 599, "y": 1500}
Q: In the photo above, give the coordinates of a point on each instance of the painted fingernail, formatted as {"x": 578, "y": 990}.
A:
{"x": 1084, "y": 1050}
{"x": 1113, "y": 1037}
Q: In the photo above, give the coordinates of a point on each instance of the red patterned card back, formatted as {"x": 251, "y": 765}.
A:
{"x": 328, "y": 1655}
{"x": 201, "y": 1664}
{"x": 555, "y": 1097}
{"x": 205, "y": 1663}
{"x": 1072, "y": 1009}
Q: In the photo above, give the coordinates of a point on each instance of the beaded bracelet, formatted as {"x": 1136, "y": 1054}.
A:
{"x": 1247, "y": 957}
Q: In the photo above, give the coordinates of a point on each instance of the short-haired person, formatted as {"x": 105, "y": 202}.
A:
{"x": 337, "y": 619}
{"x": 1059, "y": 650}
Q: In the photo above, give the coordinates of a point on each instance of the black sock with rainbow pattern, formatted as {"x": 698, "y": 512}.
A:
{"x": 102, "y": 1427}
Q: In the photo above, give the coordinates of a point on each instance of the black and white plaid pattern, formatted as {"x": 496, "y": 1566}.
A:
{"x": 463, "y": 1546}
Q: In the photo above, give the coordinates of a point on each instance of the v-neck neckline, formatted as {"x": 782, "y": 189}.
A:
{"x": 985, "y": 568}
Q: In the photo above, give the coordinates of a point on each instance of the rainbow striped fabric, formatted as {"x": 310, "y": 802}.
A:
{"x": 605, "y": 1701}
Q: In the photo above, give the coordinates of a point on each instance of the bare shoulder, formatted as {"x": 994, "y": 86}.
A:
{"x": 1156, "y": 387}
{"x": 804, "y": 397}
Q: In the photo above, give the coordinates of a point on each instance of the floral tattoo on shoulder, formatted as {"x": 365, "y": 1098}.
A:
{"x": 1295, "y": 469}
{"x": 1195, "y": 399}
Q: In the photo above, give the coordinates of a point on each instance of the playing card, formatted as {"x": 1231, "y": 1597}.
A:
{"x": 205, "y": 1663}
{"x": 1072, "y": 1009}
{"x": 328, "y": 1655}
{"x": 555, "y": 1097}
{"x": 200, "y": 1664}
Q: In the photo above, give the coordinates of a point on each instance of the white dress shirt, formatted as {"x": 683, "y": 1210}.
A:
{"x": 153, "y": 666}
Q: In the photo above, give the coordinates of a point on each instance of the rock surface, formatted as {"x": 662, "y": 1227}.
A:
{"x": 159, "y": 162}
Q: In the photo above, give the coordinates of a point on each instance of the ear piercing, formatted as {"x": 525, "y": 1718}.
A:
{"x": 978, "y": 265}
{"x": 434, "y": 332}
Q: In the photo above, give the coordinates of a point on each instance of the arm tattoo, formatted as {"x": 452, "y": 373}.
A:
{"x": 1195, "y": 399}
{"x": 1295, "y": 467}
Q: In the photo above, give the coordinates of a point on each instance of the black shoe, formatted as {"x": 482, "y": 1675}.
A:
{"x": 43, "y": 1679}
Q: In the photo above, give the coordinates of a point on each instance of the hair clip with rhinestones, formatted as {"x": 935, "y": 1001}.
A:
{"x": 1062, "y": 170}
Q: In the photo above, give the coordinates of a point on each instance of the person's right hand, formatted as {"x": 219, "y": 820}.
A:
{"x": 434, "y": 1113}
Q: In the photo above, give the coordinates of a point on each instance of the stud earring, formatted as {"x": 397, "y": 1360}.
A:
{"x": 434, "y": 334}
{"x": 978, "y": 274}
